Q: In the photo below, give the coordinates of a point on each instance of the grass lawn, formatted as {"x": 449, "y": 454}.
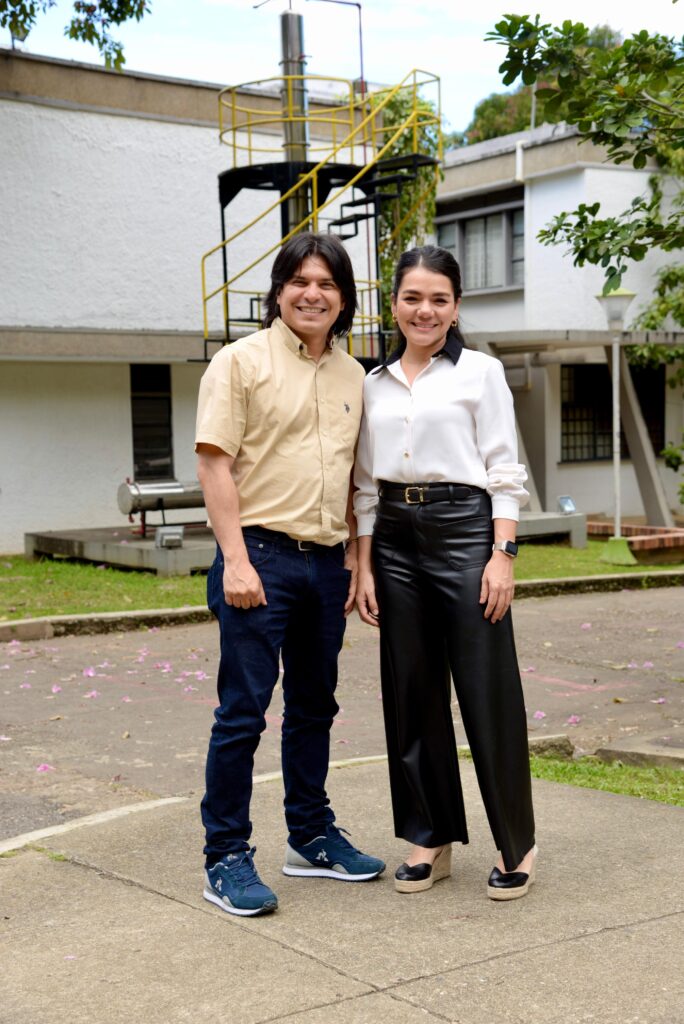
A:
{"x": 665, "y": 785}
{"x": 61, "y": 587}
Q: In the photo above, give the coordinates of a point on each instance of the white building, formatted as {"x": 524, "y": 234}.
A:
{"x": 540, "y": 312}
{"x": 109, "y": 198}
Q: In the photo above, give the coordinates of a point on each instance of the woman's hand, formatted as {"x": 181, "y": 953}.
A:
{"x": 498, "y": 586}
{"x": 366, "y": 601}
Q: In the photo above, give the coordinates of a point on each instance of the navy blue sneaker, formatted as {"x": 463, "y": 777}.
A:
{"x": 234, "y": 885}
{"x": 331, "y": 856}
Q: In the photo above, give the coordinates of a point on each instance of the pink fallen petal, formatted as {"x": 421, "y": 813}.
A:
{"x": 530, "y": 668}
{"x": 24, "y": 686}
{"x": 681, "y": 643}
{"x": 56, "y": 688}
{"x": 89, "y": 672}
{"x": 341, "y": 741}
{"x": 153, "y": 629}
{"x": 201, "y": 675}
{"x": 632, "y": 664}
{"x": 586, "y": 625}
{"x": 91, "y": 693}
{"x": 539, "y": 715}
{"x": 648, "y": 664}
{"x": 14, "y": 643}
{"x": 125, "y": 700}
{"x": 4, "y": 666}
{"x": 5, "y": 739}
{"x": 659, "y": 700}
{"x": 45, "y": 768}
{"x": 194, "y": 657}
{"x": 189, "y": 689}
{"x": 72, "y": 957}
{"x": 573, "y": 720}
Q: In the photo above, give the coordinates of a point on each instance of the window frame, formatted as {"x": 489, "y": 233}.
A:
{"x": 459, "y": 220}
{"x": 140, "y": 394}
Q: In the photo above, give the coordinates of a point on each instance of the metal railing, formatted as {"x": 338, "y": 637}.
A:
{"x": 368, "y": 130}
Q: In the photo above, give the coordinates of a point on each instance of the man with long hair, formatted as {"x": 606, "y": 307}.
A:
{"x": 277, "y": 425}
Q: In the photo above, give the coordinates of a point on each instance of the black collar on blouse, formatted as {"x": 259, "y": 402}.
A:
{"x": 452, "y": 348}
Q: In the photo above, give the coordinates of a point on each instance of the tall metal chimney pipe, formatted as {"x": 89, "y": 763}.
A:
{"x": 295, "y": 101}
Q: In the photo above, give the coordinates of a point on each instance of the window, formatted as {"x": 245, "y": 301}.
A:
{"x": 151, "y": 415}
{"x": 490, "y": 248}
{"x": 587, "y": 411}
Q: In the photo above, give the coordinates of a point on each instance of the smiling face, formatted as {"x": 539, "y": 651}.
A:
{"x": 425, "y": 307}
{"x": 310, "y": 302}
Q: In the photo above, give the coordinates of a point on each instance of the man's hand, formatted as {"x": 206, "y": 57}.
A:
{"x": 496, "y": 592}
{"x": 351, "y": 562}
{"x": 242, "y": 586}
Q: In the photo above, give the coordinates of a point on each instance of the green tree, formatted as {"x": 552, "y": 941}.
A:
{"x": 629, "y": 99}
{"x": 502, "y": 113}
{"x": 90, "y": 22}
{"x": 406, "y": 221}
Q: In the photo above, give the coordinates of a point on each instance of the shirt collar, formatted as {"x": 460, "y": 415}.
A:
{"x": 452, "y": 348}
{"x": 291, "y": 340}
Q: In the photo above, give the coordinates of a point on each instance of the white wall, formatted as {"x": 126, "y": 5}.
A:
{"x": 558, "y": 295}
{"x": 66, "y": 443}
{"x": 105, "y": 219}
{"x": 65, "y": 446}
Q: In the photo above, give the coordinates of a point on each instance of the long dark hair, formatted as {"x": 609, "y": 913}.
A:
{"x": 289, "y": 260}
{"x": 439, "y": 261}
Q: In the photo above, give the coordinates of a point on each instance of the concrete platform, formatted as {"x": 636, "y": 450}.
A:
{"x": 549, "y": 524}
{"x": 120, "y": 931}
{"x": 119, "y": 546}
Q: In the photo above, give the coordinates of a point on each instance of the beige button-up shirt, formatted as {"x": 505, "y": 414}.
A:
{"x": 291, "y": 425}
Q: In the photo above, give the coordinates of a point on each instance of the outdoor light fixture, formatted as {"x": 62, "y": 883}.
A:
{"x": 566, "y": 505}
{"x": 169, "y": 537}
{"x": 614, "y": 305}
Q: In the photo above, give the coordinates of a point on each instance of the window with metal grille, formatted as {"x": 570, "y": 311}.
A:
{"x": 587, "y": 411}
{"x": 151, "y": 415}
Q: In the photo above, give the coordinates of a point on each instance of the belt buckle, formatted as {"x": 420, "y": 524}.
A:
{"x": 414, "y": 501}
{"x": 305, "y": 545}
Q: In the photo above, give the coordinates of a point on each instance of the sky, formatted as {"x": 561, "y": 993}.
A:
{"x": 229, "y": 42}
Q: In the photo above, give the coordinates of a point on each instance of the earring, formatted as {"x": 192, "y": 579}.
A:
{"x": 454, "y": 323}
{"x": 394, "y": 319}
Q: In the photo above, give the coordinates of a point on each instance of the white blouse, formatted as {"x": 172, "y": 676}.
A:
{"x": 455, "y": 424}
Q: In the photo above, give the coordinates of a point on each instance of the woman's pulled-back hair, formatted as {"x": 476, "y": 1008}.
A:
{"x": 289, "y": 260}
{"x": 439, "y": 261}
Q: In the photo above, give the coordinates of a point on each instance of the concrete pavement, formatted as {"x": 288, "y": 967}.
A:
{"x": 106, "y": 924}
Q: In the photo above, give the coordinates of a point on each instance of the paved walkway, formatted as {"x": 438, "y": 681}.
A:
{"x": 106, "y": 924}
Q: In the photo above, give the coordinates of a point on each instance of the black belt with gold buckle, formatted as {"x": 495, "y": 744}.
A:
{"x": 424, "y": 494}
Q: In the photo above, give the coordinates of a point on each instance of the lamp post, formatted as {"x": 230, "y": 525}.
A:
{"x": 615, "y": 305}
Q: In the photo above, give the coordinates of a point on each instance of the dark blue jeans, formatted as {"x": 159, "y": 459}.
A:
{"x": 304, "y": 622}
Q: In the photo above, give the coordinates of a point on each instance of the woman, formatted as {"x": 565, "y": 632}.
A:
{"x": 439, "y": 489}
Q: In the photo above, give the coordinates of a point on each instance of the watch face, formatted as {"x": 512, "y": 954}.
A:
{"x": 511, "y": 548}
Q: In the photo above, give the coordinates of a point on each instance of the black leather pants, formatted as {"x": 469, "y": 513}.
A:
{"x": 428, "y": 563}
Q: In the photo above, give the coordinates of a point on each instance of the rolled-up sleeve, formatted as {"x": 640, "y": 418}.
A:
{"x": 498, "y": 445}
{"x": 366, "y": 495}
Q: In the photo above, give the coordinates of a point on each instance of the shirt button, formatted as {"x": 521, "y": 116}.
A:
{"x": 407, "y": 455}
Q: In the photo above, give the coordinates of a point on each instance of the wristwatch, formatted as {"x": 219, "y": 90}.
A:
{"x": 507, "y": 546}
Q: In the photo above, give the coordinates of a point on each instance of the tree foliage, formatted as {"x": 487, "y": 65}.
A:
{"x": 628, "y": 99}
{"x": 502, "y": 113}
{"x": 406, "y": 221}
{"x": 90, "y": 22}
